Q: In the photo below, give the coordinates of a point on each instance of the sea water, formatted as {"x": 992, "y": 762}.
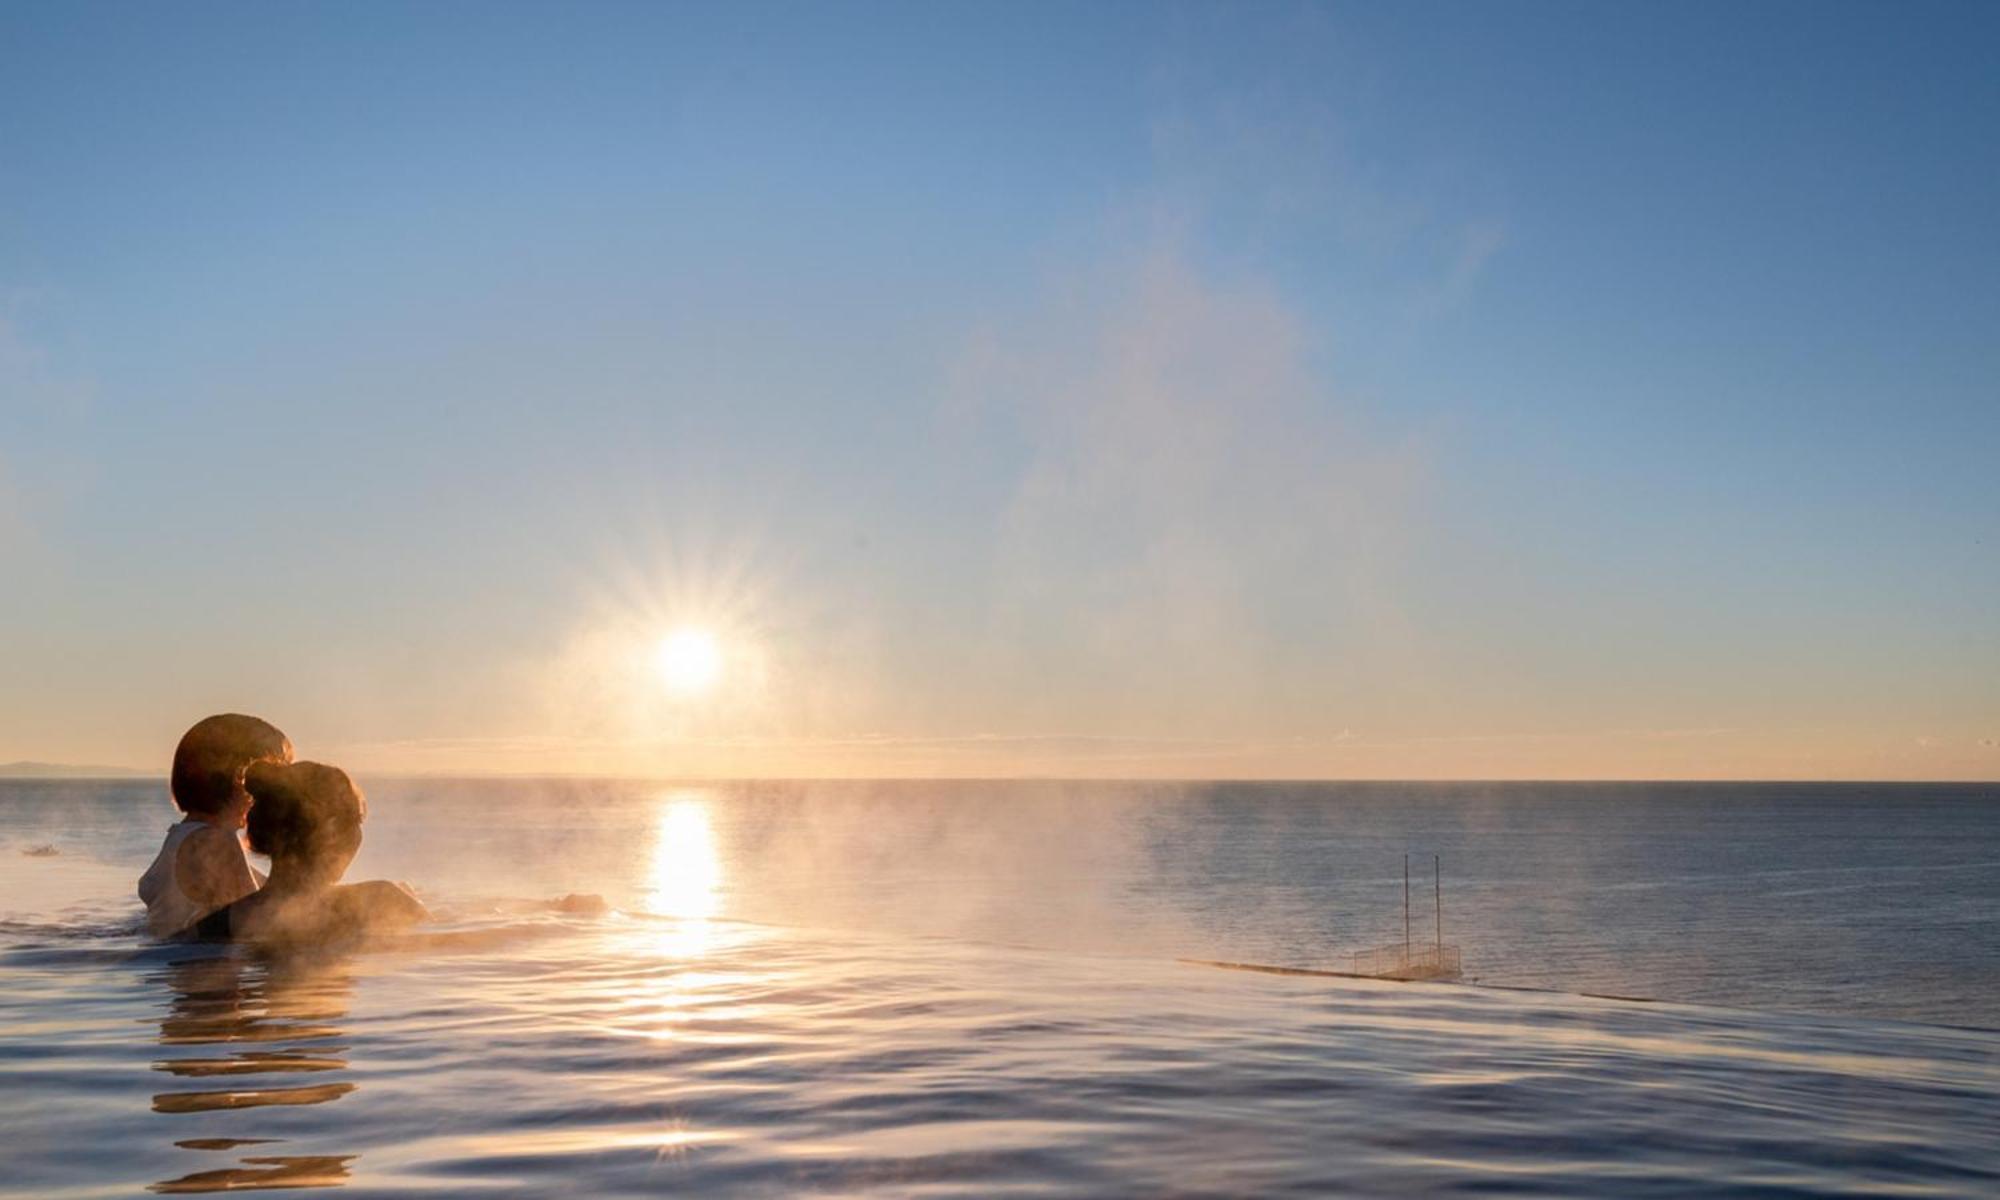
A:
{"x": 978, "y": 989}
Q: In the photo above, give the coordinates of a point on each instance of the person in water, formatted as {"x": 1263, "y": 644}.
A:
{"x": 307, "y": 817}
{"x": 201, "y": 866}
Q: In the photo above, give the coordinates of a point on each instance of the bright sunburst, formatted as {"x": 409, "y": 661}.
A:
{"x": 689, "y": 661}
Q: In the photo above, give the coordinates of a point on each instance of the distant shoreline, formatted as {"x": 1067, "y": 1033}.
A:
{"x": 43, "y": 770}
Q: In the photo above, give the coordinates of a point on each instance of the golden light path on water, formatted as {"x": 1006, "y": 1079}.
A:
{"x": 686, "y": 872}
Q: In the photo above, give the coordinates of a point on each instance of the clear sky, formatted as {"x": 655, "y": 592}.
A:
{"x": 1478, "y": 390}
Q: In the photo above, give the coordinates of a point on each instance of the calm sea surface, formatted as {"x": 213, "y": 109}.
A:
{"x": 974, "y": 989}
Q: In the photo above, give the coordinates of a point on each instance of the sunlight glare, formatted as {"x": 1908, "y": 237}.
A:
{"x": 689, "y": 660}
{"x": 686, "y": 870}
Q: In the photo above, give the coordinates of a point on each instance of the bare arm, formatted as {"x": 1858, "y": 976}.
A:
{"x": 211, "y": 869}
{"x": 377, "y": 906}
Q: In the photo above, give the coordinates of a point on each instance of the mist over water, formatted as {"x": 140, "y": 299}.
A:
{"x": 1860, "y": 899}
{"x": 970, "y": 988}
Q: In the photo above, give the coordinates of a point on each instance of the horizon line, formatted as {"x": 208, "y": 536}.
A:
{"x": 87, "y": 772}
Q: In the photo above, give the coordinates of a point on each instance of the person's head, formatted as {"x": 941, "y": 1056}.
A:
{"x": 207, "y": 779}
{"x": 307, "y": 817}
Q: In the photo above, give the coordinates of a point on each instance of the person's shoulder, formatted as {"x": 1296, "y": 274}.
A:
{"x": 210, "y": 867}
{"x": 379, "y": 900}
{"x": 207, "y": 844}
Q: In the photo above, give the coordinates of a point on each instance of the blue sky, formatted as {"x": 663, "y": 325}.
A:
{"x": 1418, "y": 390}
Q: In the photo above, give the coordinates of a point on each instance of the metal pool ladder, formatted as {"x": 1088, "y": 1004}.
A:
{"x": 1408, "y": 960}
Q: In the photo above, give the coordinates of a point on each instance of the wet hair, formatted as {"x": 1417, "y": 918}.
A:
{"x": 304, "y": 810}
{"x": 213, "y": 754}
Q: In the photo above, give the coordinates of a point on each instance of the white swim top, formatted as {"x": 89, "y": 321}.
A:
{"x": 169, "y": 910}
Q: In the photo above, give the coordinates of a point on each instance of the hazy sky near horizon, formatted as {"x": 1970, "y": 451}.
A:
{"x": 1468, "y": 390}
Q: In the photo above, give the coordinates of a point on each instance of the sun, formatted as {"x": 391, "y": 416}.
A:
{"x": 689, "y": 660}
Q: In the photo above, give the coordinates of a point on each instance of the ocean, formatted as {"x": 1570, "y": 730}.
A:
{"x": 999, "y": 988}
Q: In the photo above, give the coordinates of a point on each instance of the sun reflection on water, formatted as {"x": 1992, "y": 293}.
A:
{"x": 686, "y": 872}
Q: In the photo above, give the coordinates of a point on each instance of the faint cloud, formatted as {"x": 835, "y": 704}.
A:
{"x": 1198, "y": 510}
{"x": 19, "y": 360}
{"x": 1087, "y": 743}
{"x": 41, "y": 407}
{"x": 1477, "y": 243}
{"x": 859, "y": 755}
{"x": 1566, "y": 735}
{"x": 1290, "y": 158}
{"x": 31, "y": 382}
{"x": 1204, "y": 534}
{"x": 16, "y": 531}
